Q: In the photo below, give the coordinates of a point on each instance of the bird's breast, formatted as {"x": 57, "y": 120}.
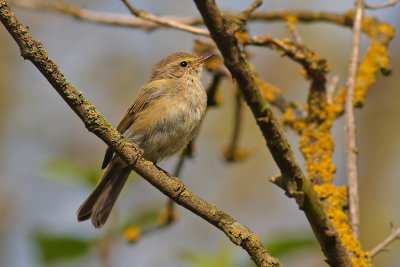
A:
{"x": 170, "y": 122}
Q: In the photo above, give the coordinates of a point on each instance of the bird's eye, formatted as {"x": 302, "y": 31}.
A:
{"x": 183, "y": 64}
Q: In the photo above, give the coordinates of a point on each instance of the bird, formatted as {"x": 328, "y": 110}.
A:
{"x": 162, "y": 120}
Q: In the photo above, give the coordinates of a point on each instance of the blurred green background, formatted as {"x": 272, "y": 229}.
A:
{"x": 49, "y": 161}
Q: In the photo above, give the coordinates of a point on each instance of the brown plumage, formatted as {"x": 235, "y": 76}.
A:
{"x": 162, "y": 120}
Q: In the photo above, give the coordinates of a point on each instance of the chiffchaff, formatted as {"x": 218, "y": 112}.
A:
{"x": 161, "y": 121}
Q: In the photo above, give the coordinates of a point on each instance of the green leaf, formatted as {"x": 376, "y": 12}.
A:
{"x": 285, "y": 244}
{"x": 56, "y": 248}
{"x": 74, "y": 171}
{"x": 220, "y": 258}
{"x": 143, "y": 218}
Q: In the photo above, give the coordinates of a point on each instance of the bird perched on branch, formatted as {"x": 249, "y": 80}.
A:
{"x": 162, "y": 120}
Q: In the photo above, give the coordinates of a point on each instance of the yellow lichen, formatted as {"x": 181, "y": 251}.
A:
{"x": 376, "y": 59}
{"x": 289, "y": 118}
{"x": 242, "y": 37}
{"x": 167, "y": 216}
{"x": 218, "y": 98}
{"x": 238, "y": 154}
{"x": 316, "y": 145}
{"x": 334, "y": 199}
{"x": 132, "y": 233}
{"x": 291, "y": 23}
{"x": 268, "y": 91}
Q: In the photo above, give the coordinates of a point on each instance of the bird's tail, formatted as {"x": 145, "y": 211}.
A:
{"x": 100, "y": 202}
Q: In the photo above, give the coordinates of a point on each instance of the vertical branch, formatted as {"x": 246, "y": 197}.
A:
{"x": 170, "y": 206}
{"x": 231, "y": 151}
{"x": 352, "y": 172}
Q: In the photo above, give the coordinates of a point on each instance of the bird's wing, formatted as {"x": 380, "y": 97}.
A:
{"x": 148, "y": 93}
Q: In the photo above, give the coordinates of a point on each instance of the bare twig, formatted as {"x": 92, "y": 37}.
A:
{"x": 389, "y": 3}
{"x": 242, "y": 18}
{"x": 331, "y": 89}
{"x": 169, "y": 213}
{"x": 212, "y": 90}
{"x": 291, "y": 26}
{"x": 33, "y": 51}
{"x": 351, "y": 149}
{"x": 245, "y": 15}
{"x": 87, "y": 14}
{"x": 394, "y": 235}
{"x": 163, "y": 21}
{"x": 231, "y": 150}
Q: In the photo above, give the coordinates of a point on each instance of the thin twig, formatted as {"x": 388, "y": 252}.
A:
{"x": 213, "y": 88}
{"x": 291, "y": 26}
{"x": 389, "y": 3}
{"x": 245, "y": 15}
{"x": 231, "y": 151}
{"x": 242, "y": 18}
{"x": 394, "y": 235}
{"x": 351, "y": 149}
{"x": 163, "y": 21}
{"x": 331, "y": 89}
{"x": 170, "y": 206}
{"x": 81, "y": 13}
{"x": 169, "y": 212}
{"x": 34, "y": 51}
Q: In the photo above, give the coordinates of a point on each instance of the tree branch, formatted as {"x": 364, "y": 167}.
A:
{"x": 33, "y": 50}
{"x": 231, "y": 152}
{"x": 394, "y": 235}
{"x": 351, "y": 148}
{"x": 293, "y": 180}
{"x": 242, "y": 17}
{"x": 389, "y": 3}
{"x": 291, "y": 26}
{"x": 80, "y": 13}
{"x": 163, "y": 21}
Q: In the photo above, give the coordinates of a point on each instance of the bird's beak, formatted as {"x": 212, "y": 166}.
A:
{"x": 204, "y": 59}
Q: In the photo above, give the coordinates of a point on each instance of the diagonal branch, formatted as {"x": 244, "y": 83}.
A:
{"x": 389, "y": 3}
{"x": 394, "y": 235}
{"x": 85, "y": 14}
{"x": 163, "y": 21}
{"x": 351, "y": 148}
{"x": 242, "y": 18}
{"x": 33, "y": 51}
{"x": 293, "y": 180}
